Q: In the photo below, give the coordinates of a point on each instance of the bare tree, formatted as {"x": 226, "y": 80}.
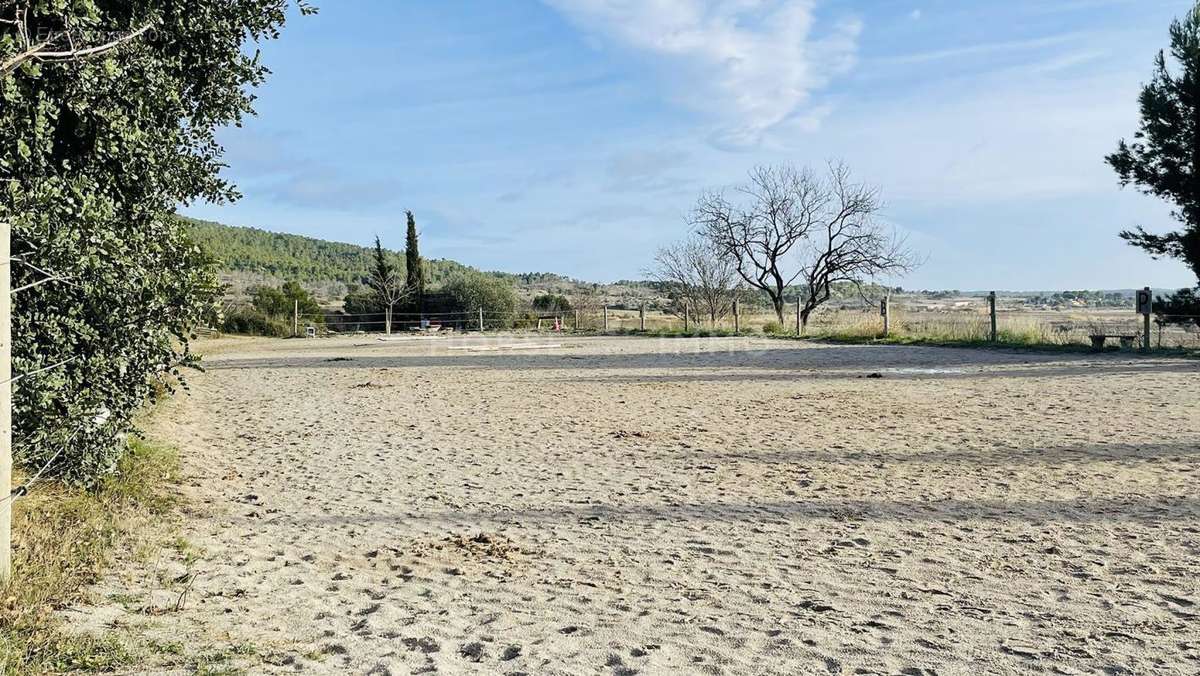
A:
{"x": 850, "y": 245}
{"x": 696, "y": 276}
{"x": 786, "y": 225}
{"x": 387, "y": 282}
{"x": 765, "y": 221}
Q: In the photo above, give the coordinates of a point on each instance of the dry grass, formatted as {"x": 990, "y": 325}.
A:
{"x": 63, "y": 540}
{"x": 1016, "y": 328}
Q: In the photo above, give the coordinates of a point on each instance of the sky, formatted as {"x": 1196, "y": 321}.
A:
{"x": 574, "y": 136}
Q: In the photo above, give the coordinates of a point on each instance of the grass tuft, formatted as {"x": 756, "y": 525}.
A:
{"x": 63, "y": 539}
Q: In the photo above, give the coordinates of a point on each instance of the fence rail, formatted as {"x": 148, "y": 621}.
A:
{"x": 982, "y": 319}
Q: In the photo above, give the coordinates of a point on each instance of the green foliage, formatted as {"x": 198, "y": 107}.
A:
{"x": 414, "y": 267}
{"x": 472, "y": 291}
{"x": 97, "y": 154}
{"x": 284, "y": 301}
{"x": 1163, "y": 160}
{"x": 1181, "y": 307}
{"x": 306, "y": 259}
{"x": 385, "y": 277}
{"x": 251, "y": 322}
{"x": 772, "y": 328}
{"x": 362, "y": 301}
{"x": 1089, "y": 298}
{"x": 549, "y": 302}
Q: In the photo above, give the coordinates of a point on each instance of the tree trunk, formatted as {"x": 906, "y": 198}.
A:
{"x": 778, "y": 303}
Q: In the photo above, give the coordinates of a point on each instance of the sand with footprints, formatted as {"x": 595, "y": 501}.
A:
{"x": 638, "y": 505}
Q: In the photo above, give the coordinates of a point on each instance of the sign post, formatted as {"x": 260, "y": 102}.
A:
{"x": 1145, "y": 307}
{"x": 883, "y": 312}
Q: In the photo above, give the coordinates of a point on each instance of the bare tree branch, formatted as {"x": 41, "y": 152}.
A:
{"x": 696, "y": 276}
{"x": 50, "y": 50}
{"x": 790, "y": 225}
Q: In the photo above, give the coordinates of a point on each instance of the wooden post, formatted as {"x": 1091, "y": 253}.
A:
{"x": 685, "y": 318}
{"x": 737, "y": 319}
{"x": 387, "y": 320}
{"x": 797, "y": 314}
{"x": 642, "y": 317}
{"x": 993, "y": 336}
{"x": 886, "y": 310}
{"x": 606, "y": 318}
{"x": 5, "y": 403}
{"x": 1146, "y": 320}
{"x": 577, "y": 320}
{"x": 481, "y": 319}
{"x": 295, "y": 318}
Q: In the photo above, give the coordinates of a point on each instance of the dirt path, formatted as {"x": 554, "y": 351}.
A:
{"x": 699, "y": 506}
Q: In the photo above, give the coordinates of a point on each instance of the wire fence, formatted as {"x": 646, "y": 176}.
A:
{"x": 963, "y": 321}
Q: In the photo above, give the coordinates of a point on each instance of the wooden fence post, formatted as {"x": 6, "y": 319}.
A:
{"x": 606, "y": 318}
{"x": 642, "y": 317}
{"x": 685, "y": 318}
{"x": 1146, "y": 319}
{"x": 5, "y": 403}
{"x": 577, "y": 320}
{"x": 886, "y": 310}
{"x": 481, "y": 319}
{"x": 295, "y": 318}
{"x": 797, "y": 314}
{"x": 992, "y": 311}
{"x": 737, "y": 319}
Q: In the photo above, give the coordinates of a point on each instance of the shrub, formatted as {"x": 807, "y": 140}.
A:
{"x": 1181, "y": 307}
{"x": 252, "y": 322}
{"x": 549, "y": 302}
{"x": 772, "y": 328}
{"x": 471, "y": 291}
{"x": 98, "y": 154}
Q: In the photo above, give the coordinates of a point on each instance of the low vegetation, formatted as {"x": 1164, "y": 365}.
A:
{"x": 472, "y": 291}
{"x": 64, "y": 538}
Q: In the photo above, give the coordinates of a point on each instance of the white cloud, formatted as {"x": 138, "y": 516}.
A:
{"x": 752, "y": 63}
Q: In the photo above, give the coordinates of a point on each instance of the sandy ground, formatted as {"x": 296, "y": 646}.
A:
{"x": 724, "y": 506}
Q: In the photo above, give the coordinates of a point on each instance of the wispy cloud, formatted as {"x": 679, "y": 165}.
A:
{"x": 752, "y": 63}
{"x": 984, "y": 49}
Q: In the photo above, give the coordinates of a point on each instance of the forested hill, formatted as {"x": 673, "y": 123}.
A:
{"x": 305, "y": 259}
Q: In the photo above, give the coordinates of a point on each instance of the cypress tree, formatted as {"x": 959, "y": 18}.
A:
{"x": 412, "y": 259}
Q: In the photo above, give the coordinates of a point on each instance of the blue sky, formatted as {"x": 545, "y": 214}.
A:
{"x": 573, "y": 136}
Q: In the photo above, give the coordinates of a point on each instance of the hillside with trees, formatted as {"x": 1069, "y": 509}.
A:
{"x": 265, "y": 254}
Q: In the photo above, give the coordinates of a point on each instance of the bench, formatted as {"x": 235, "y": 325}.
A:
{"x": 1126, "y": 339}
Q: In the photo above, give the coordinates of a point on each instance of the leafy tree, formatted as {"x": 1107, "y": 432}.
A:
{"x": 99, "y": 146}
{"x": 1181, "y": 307}
{"x": 385, "y": 281}
{"x": 282, "y": 302}
{"x": 360, "y": 302}
{"x": 414, "y": 266}
{"x": 474, "y": 291}
{"x": 551, "y": 302}
{"x": 1164, "y": 157}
